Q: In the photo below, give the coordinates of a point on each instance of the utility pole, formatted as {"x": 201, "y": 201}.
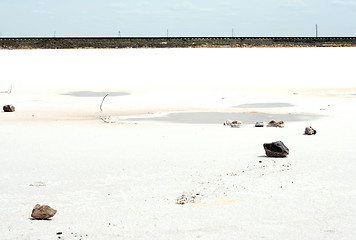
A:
{"x": 316, "y": 30}
{"x": 119, "y": 34}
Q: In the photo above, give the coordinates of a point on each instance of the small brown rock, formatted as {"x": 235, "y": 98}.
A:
{"x": 234, "y": 124}
{"x": 273, "y": 123}
{"x": 43, "y": 212}
{"x": 8, "y": 108}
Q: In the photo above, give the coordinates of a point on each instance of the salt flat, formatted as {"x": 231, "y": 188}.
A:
{"x": 121, "y": 180}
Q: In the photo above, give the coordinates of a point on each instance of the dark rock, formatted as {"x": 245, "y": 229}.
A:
{"x": 43, "y": 212}
{"x": 309, "y": 131}
{"x": 276, "y": 149}
{"x": 8, "y": 108}
{"x": 259, "y": 124}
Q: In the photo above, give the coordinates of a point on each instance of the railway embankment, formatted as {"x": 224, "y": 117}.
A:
{"x": 172, "y": 42}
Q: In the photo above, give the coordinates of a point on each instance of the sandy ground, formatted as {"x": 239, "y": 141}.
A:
{"x": 121, "y": 180}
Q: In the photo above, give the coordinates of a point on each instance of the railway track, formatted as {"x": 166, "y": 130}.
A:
{"x": 161, "y": 42}
{"x": 180, "y": 38}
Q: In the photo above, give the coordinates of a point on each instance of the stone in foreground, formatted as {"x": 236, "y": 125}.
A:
{"x": 8, "y": 108}
{"x": 309, "y": 131}
{"x": 276, "y": 149}
{"x": 43, "y": 212}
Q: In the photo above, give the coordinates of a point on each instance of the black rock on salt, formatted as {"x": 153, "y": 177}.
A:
{"x": 276, "y": 149}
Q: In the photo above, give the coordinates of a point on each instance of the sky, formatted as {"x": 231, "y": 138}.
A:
{"x": 159, "y": 18}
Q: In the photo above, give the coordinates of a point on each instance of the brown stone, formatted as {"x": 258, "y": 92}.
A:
{"x": 234, "y": 124}
{"x": 273, "y": 123}
{"x": 8, "y": 108}
{"x": 43, "y": 212}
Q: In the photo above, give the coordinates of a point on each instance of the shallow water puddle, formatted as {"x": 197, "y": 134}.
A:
{"x": 94, "y": 94}
{"x": 264, "y": 105}
{"x": 220, "y": 117}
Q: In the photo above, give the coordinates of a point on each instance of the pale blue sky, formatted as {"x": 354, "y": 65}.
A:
{"x": 181, "y": 18}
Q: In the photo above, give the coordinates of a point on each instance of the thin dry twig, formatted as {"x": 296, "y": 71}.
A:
{"x": 8, "y": 91}
{"x": 101, "y": 105}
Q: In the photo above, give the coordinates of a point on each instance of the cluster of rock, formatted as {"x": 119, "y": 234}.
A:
{"x": 43, "y": 212}
{"x": 278, "y": 149}
{"x": 8, "y": 108}
{"x": 238, "y": 124}
{"x": 274, "y": 149}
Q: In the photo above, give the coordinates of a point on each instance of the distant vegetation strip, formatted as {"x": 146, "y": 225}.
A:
{"x": 172, "y": 42}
